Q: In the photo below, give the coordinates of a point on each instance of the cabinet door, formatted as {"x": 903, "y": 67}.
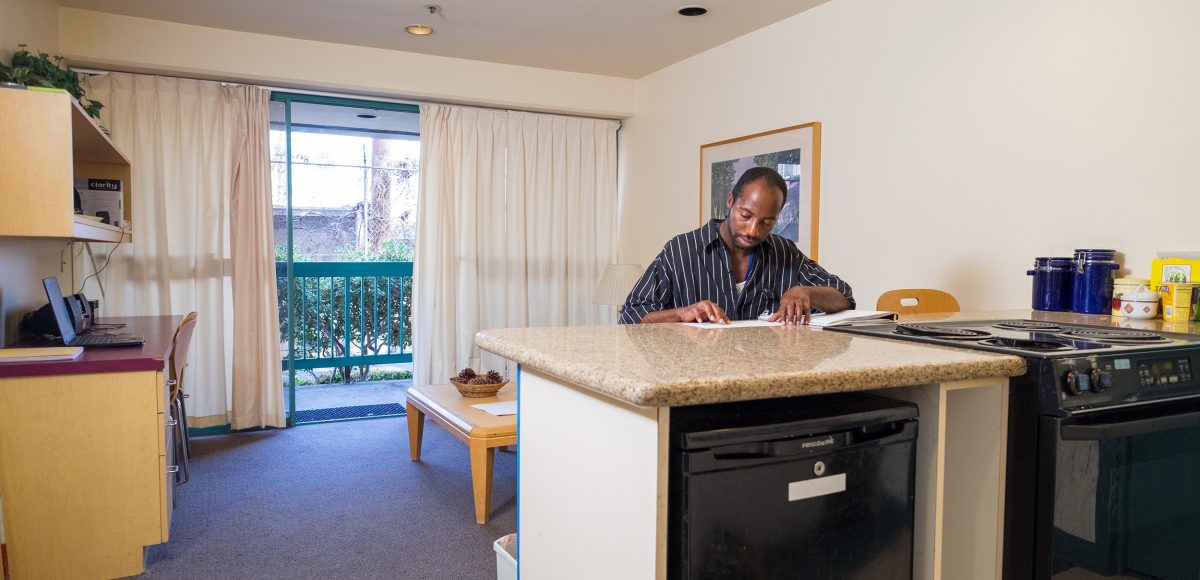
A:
{"x": 35, "y": 164}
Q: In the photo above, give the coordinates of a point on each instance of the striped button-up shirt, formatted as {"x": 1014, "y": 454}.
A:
{"x": 695, "y": 266}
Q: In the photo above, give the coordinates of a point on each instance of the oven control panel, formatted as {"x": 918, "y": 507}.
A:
{"x": 1165, "y": 372}
{"x": 1102, "y": 381}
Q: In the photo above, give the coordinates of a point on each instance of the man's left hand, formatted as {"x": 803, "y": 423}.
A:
{"x": 795, "y": 306}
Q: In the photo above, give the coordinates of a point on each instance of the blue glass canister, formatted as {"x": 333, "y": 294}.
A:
{"x": 1053, "y": 279}
{"x": 1093, "y": 284}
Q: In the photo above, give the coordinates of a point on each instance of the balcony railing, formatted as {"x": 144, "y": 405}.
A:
{"x": 346, "y": 313}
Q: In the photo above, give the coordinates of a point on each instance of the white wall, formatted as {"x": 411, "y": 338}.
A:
{"x": 143, "y": 45}
{"x": 24, "y": 262}
{"x": 962, "y": 138}
{"x": 31, "y": 22}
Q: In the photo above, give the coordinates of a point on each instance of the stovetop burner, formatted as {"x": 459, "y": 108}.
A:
{"x": 1114, "y": 336}
{"x": 1028, "y": 325}
{"x": 943, "y": 332}
{"x": 1029, "y": 338}
{"x": 1027, "y": 344}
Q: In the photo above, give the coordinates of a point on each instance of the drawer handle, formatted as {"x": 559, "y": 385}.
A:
{"x": 173, "y": 469}
{"x": 171, "y": 382}
{"x": 172, "y": 422}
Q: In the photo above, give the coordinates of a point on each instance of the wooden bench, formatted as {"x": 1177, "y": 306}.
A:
{"x": 480, "y": 430}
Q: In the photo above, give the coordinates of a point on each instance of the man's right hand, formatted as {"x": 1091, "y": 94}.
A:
{"x": 702, "y": 311}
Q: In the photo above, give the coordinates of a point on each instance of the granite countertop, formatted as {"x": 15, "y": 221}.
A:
{"x": 662, "y": 365}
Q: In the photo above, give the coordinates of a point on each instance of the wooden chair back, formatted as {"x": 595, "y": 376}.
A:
{"x": 179, "y": 350}
{"x": 927, "y": 301}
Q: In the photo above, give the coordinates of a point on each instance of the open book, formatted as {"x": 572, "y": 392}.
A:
{"x": 847, "y": 317}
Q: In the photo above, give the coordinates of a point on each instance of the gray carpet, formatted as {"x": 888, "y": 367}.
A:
{"x": 333, "y": 500}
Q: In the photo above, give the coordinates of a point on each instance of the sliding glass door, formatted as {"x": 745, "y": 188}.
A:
{"x": 344, "y": 174}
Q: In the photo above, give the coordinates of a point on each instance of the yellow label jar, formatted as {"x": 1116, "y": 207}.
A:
{"x": 1177, "y": 302}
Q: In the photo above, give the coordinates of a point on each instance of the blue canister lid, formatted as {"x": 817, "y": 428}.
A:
{"x": 1094, "y": 255}
{"x": 1049, "y": 263}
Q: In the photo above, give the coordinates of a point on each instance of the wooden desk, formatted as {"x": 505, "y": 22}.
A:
{"x": 84, "y": 453}
{"x": 481, "y": 431}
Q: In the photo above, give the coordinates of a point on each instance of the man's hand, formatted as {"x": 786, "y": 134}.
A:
{"x": 795, "y": 306}
{"x": 702, "y": 311}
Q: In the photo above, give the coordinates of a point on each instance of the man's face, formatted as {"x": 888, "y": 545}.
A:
{"x": 753, "y": 215}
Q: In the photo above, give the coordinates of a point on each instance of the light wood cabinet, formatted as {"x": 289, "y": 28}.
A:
{"x": 46, "y": 141}
{"x": 86, "y": 458}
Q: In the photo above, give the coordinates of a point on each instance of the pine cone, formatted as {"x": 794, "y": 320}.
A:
{"x": 466, "y": 374}
{"x": 480, "y": 381}
{"x": 495, "y": 376}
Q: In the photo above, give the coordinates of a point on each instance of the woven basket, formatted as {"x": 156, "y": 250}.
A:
{"x": 476, "y": 391}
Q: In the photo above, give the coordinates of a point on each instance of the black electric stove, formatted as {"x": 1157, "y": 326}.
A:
{"x": 1079, "y": 368}
{"x": 1103, "y": 464}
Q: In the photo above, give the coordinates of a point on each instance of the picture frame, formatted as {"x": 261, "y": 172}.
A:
{"x": 795, "y": 152}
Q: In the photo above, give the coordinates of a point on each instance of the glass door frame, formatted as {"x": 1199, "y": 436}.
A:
{"x": 287, "y": 98}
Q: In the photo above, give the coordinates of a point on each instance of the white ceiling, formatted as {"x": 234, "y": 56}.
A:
{"x": 624, "y": 38}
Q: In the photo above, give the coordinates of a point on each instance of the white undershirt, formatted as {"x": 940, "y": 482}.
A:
{"x": 739, "y": 286}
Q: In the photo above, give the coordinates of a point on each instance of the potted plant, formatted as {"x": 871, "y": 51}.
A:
{"x": 43, "y": 70}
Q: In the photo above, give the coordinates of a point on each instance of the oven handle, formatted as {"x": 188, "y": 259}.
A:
{"x": 1122, "y": 429}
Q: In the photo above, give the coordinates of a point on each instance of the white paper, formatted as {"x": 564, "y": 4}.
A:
{"x": 498, "y": 409}
{"x": 733, "y": 324}
{"x": 821, "y": 319}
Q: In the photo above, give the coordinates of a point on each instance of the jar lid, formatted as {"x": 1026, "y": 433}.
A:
{"x": 1142, "y": 294}
{"x": 1133, "y": 281}
{"x": 1089, "y": 255}
{"x": 1048, "y": 262}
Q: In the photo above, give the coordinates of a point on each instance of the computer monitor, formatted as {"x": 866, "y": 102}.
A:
{"x": 54, "y": 294}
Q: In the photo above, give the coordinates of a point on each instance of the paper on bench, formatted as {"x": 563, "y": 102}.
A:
{"x": 733, "y": 324}
{"x": 498, "y": 409}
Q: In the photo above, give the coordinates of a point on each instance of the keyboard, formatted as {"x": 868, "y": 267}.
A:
{"x": 106, "y": 339}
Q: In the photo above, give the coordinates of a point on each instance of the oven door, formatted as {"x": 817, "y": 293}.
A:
{"x": 1122, "y": 490}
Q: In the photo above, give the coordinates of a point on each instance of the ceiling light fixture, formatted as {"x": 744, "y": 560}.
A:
{"x": 422, "y": 29}
{"x": 692, "y": 10}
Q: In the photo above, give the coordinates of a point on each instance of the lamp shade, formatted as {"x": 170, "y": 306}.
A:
{"x": 617, "y": 281}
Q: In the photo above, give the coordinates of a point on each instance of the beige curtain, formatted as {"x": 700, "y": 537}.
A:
{"x": 257, "y": 383}
{"x": 190, "y": 146}
{"x": 515, "y": 226}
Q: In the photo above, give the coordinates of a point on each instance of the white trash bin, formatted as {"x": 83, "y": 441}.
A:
{"x": 506, "y": 557}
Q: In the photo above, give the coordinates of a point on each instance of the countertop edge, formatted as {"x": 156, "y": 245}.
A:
{"x": 690, "y": 392}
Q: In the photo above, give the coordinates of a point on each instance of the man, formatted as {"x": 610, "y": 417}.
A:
{"x": 736, "y": 269}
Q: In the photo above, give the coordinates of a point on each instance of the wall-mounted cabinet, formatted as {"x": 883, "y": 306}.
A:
{"x": 46, "y": 141}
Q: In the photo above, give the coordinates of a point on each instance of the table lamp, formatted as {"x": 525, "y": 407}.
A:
{"x": 615, "y": 284}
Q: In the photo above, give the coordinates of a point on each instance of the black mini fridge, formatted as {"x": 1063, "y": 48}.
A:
{"x": 816, "y": 487}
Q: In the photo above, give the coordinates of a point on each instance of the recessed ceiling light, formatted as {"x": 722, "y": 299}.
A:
{"x": 418, "y": 29}
{"x": 693, "y": 11}
{"x": 366, "y": 116}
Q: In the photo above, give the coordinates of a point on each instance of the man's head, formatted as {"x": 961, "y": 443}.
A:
{"x": 754, "y": 205}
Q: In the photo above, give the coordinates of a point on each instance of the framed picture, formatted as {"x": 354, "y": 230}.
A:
{"x": 795, "y": 152}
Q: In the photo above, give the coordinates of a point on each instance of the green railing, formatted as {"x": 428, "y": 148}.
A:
{"x": 346, "y": 313}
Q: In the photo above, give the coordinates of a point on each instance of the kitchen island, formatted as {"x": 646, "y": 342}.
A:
{"x": 594, "y": 416}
